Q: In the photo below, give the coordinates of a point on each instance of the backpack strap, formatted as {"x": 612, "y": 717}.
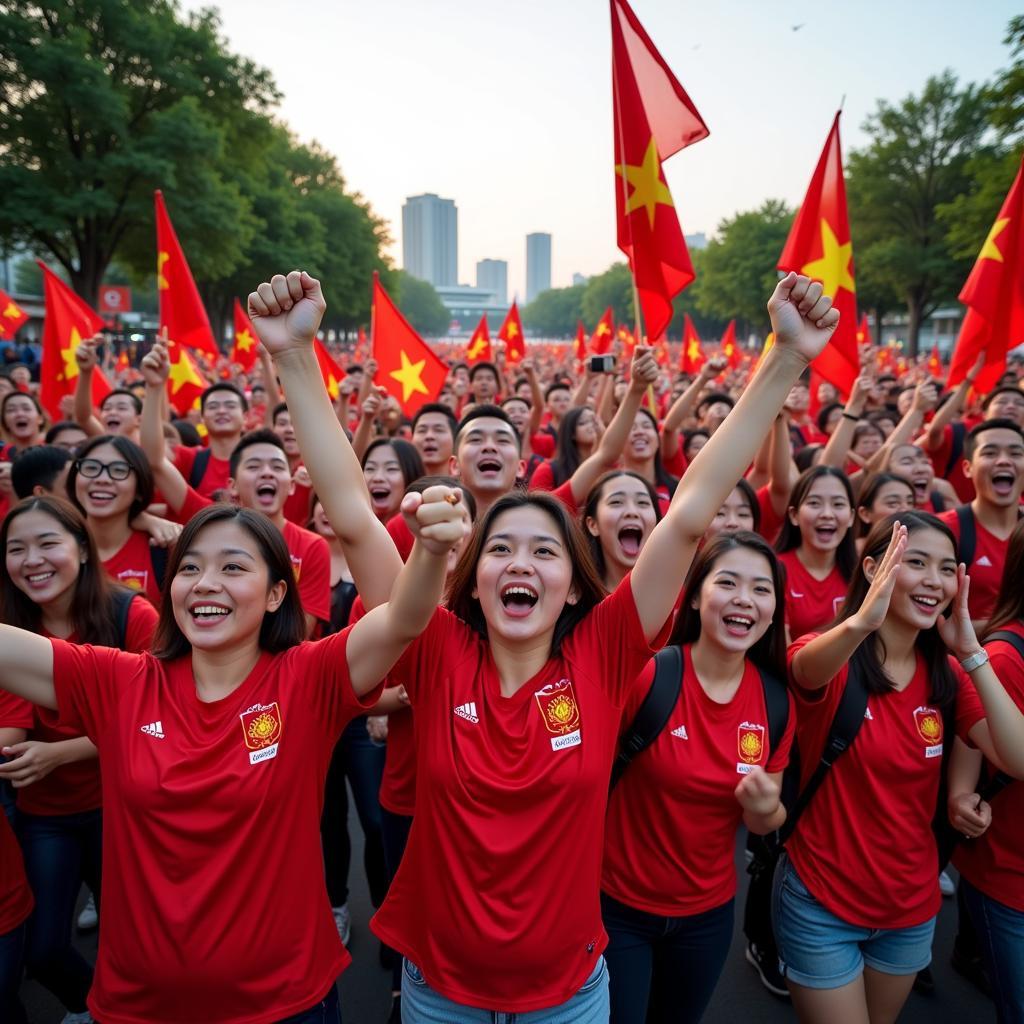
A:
{"x": 199, "y": 467}
{"x": 938, "y": 501}
{"x": 956, "y": 450}
{"x": 653, "y": 714}
{"x": 968, "y": 534}
{"x": 776, "y": 702}
{"x": 122, "y": 599}
{"x": 158, "y": 559}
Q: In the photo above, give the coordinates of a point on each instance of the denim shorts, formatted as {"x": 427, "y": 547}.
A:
{"x": 819, "y": 950}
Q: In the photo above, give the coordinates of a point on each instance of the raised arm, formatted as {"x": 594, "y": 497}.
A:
{"x": 781, "y": 468}
{"x": 925, "y": 397}
{"x": 286, "y": 312}
{"x": 155, "y": 367}
{"x": 953, "y": 407}
{"x": 85, "y": 359}
{"x": 26, "y": 668}
{"x": 684, "y": 405}
{"x": 803, "y": 320}
{"x": 838, "y": 448}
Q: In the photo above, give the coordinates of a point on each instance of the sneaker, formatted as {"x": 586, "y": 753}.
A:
{"x": 396, "y": 1010}
{"x": 343, "y": 922}
{"x": 78, "y": 1018}
{"x": 946, "y": 884}
{"x": 767, "y": 970}
{"x": 88, "y": 918}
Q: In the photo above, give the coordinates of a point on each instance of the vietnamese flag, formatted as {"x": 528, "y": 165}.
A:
{"x": 728, "y": 347}
{"x": 863, "y": 331}
{"x": 512, "y": 334}
{"x": 601, "y": 339}
{"x": 935, "y": 363}
{"x": 68, "y": 321}
{"x": 406, "y": 366}
{"x": 243, "y": 351}
{"x": 479, "y": 348}
{"x": 182, "y": 314}
{"x": 579, "y": 345}
{"x": 994, "y": 296}
{"x": 12, "y": 316}
{"x": 361, "y": 346}
{"x": 691, "y": 355}
{"x": 653, "y": 119}
{"x": 819, "y": 246}
{"x": 185, "y": 383}
{"x": 331, "y": 372}
{"x": 123, "y": 364}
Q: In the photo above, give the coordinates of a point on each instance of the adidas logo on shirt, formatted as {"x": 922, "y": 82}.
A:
{"x": 154, "y": 729}
{"x": 984, "y": 560}
{"x": 468, "y": 712}
{"x": 680, "y": 733}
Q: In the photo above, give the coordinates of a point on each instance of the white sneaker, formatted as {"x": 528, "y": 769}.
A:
{"x": 78, "y": 1018}
{"x": 88, "y": 918}
{"x": 343, "y": 922}
{"x": 946, "y": 886}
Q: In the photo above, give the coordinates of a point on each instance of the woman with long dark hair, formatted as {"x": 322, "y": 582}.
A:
{"x": 389, "y": 466}
{"x": 576, "y": 441}
{"x": 642, "y": 455}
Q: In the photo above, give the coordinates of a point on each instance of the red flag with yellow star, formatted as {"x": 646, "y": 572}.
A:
{"x": 362, "y": 348}
{"x": 604, "y": 334}
{"x": 479, "y": 348}
{"x": 653, "y": 119}
{"x": 185, "y": 383}
{"x": 123, "y": 364}
{"x": 331, "y": 372}
{"x": 512, "y": 334}
{"x": 994, "y": 296}
{"x": 863, "y": 331}
{"x": 579, "y": 344}
{"x": 406, "y": 365}
{"x": 819, "y": 246}
{"x": 243, "y": 351}
{"x": 182, "y": 313}
{"x": 12, "y": 316}
{"x": 728, "y": 347}
{"x": 935, "y": 363}
{"x": 68, "y": 321}
{"x": 691, "y": 355}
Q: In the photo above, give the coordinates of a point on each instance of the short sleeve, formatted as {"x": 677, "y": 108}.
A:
{"x": 194, "y": 502}
{"x": 402, "y": 536}
{"x": 142, "y": 620}
{"x": 315, "y": 580}
{"x": 564, "y": 494}
{"x": 184, "y": 459}
{"x": 15, "y": 712}
{"x": 445, "y": 642}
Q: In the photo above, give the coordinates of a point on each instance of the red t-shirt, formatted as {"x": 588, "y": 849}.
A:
{"x": 543, "y": 443}
{"x": 401, "y": 535}
{"x": 994, "y": 863}
{"x": 543, "y": 478}
{"x": 810, "y": 603}
{"x": 211, "y": 828}
{"x": 214, "y": 478}
{"x": 864, "y": 847}
{"x": 770, "y": 522}
{"x": 962, "y": 484}
{"x": 133, "y": 566}
{"x": 677, "y": 464}
{"x": 986, "y": 571}
{"x": 564, "y": 494}
{"x": 298, "y": 505}
{"x": 74, "y": 788}
{"x": 15, "y": 895}
{"x": 497, "y": 895}
{"x": 672, "y": 819}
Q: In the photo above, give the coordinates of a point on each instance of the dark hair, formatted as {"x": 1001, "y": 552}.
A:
{"x": 59, "y": 427}
{"x": 262, "y": 436}
{"x": 824, "y": 412}
{"x": 885, "y": 413}
{"x": 558, "y": 385}
{"x": 491, "y": 412}
{"x": 459, "y": 592}
{"x": 484, "y": 365}
{"x": 437, "y": 407}
{"x": 38, "y": 467}
{"x": 224, "y": 385}
{"x": 689, "y": 435}
{"x": 745, "y": 488}
{"x": 517, "y": 398}
{"x": 1001, "y": 389}
{"x": 11, "y": 395}
{"x": 421, "y": 483}
{"x": 1010, "y": 603}
{"x": 715, "y": 396}
{"x": 971, "y": 441}
{"x": 187, "y": 432}
{"x": 91, "y": 613}
{"x": 869, "y": 491}
{"x": 804, "y": 458}
{"x": 279, "y": 408}
{"x": 590, "y": 512}
{"x": 408, "y": 455}
{"x": 769, "y": 653}
{"x": 131, "y": 453}
{"x": 790, "y": 537}
{"x": 866, "y": 428}
{"x": 662, "y": 476}
{"x": 280, "y": 629}
{"x": 869, "y": 657}
{"x": 117, "y": 392}
{"x": 567, "y": 456}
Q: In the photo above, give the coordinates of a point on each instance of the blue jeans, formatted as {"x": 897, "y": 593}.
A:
{"x": 61, "y": 851}
{"x": 422, "y": 1005}
{"x": 12, "y": 946}
{"x": 1001, "y": 937}
{"x": 669, "y": 964}
{"x": 360, "y": 760}
{"x": 327, "y": 1011}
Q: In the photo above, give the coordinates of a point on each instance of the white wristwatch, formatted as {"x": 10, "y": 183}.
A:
{"x": 975, "y": 660}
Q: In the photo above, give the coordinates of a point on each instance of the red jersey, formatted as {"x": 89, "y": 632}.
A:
{"x": 15, "y": 895}
{"x": 215, "y": 477}
{"x": 994, "y": 863}
{"x": 676, "y": 465}
{"x": 940, "y": 459}
{"x": 864, "y": 847}
{"x": 73, "y": 788}
{"x": 986, "y": 571}
{"x": 401, "y": 535}
{"x": 298, "y": 507}
{"x": 543, "y": 478}
{"x": 133, "y": 566}
{"x": 771, "y": 523}
{"x": 810, "y": 603}
{"x": 672, "y": 819}
{"x": 497, "y": 895}
{"x": 544, "y": 442}
{"x": 211, "y": 828}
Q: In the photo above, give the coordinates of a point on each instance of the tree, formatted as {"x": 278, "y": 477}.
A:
{"x": 737, "y": 269}
{"x": 421, "y": 305}
{"x": 918, "y": 160}
{"x": 612, "y": 288}
{"x": 688, "y": 301}
{"x": 554, "y": 313}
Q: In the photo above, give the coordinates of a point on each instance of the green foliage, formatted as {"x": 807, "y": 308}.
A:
{"x": 612, "y": 288}
{"x": 554, "y": 313}
{"x": 421, "y": 305}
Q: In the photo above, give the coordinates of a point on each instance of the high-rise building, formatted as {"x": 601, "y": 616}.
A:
{"x": 578, "y": 279}
{"x": 538, "y": 264}
{"x": 492, "y": 276}
{"x": 430, "y": 239}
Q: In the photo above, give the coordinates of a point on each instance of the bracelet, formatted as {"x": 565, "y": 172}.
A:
{"x": 975, "y": 660}
{"x": 850, "y": 416}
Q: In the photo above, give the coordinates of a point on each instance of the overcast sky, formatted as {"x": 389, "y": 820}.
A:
{"x": 506, "y": 107}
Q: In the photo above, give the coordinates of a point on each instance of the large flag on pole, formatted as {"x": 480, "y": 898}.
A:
{"x": 69, "y": 320}
{"x": 994, "y": 296}
{"x": 243, "y": 351}
{"x": 819, "y": 246}
{"x": 479, "y": 348}
{"x": 512, "y": 334}
{"x": 604, "y": 334}
{"x": 182, "y": 313}
{"x": 653, "y": 119}
{"x": 12, "y": 316}
{"x": 406, "y": 365}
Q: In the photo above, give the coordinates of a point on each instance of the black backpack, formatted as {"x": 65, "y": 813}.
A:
{"x": 956, "y": 450}
{"x": 969, "y": 535}
{"x": 123, "y": 598}
{"x": 199, "y": 466}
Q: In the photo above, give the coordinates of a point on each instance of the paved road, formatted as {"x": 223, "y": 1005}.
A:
{"x": 366, "y": 999}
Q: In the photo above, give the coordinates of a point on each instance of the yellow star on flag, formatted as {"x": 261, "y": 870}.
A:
{"x": 693, "y": 351}
{"x": 410, "y": 376}
{"x": 161, "y": 281}
{"x": 832, "y": 268}
{"x": 11, "y": 312}
{"x": 990, "y": 251}
{"x": 648, "y": 187}
{"x": 68, "y": 355}
{"x": 244, "y": 341}
{"x": 603, "y": 328}
{"x": 332, "y": 388}
{"x": 478, "y": 347}
{"x": 182, "y": 373}
{"x": 512, "y": 330}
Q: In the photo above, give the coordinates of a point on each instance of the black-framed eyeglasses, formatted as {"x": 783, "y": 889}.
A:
{"x": 93, "y": 468}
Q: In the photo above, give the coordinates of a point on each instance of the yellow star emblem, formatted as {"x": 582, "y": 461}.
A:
{"x": 602, "y": 329}
{"x": 832, "y": 268}
{"x": 410, "y": 376}
{"x": 182, "y": 373}
{"x": 693, "y": 351}
{"x": 11, "y": 312}
{"x": 989, "y": 251}
{"x": 475, "y": 349}
{"x": 68, "y": 355}
{"x": 649, "y": 189}
{"x": 244, "y": 341}
{"x": 511, "y": 330}
{"x": 161, "y": 281}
